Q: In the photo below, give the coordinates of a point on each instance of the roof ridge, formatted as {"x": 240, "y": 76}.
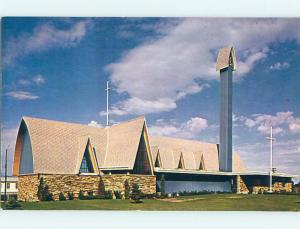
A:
{"x": 183, "y": 139}
{"x": 130, "y": 120}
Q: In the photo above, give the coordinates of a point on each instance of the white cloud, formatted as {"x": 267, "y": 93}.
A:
{"x": 280, "y": 66}
{"x": 22, "y": 95}
{"x": 189, "y": 129}
{"x": 24, "y": 82}
{"x": 44, "y": 37}
{"x": 38, "y": 79}
{"x": 95, "y": 124}
{"x": 281, "y": 122}
{"x": 138, "y": 106}
{"x": 183, "y": 57}
{"x": 286, "y": 155}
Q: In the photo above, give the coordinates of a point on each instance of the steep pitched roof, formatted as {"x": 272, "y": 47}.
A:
{"x": 58, "y": 146}
{"x": 170, "y": 150}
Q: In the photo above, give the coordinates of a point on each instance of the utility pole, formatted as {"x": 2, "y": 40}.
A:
{"x": 5, "y": 176}
{"x": 271, "y": 157}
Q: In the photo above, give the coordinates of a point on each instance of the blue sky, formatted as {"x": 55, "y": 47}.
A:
{"x": 164, "y": 68}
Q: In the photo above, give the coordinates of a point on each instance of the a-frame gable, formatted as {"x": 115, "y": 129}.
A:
{"x": 158, "y": 163}
{"x": 143, "y": 162}
{"x": 202, "y": 164}
{"x": 88, "y": 163}
{"x": 181, "y": 162}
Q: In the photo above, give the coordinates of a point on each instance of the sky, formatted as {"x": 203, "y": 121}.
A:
{"x": 163, "y": 68}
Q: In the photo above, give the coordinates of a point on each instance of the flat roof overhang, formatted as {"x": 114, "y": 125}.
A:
{"x": 220, "y": 173}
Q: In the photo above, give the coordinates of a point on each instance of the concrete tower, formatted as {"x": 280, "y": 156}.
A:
{"x": 226, "y": 64}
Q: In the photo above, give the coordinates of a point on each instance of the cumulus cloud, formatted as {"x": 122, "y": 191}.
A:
{"x": 189, "y": 129}
{"x": 95, "y": 124}
{"x": 286, "y": 155}
{"x": 281, "y": 122}
{"x": 44, "y": 37}
{"x": 183, "y": 57}
{"x": 280, "y": 66}
{"x": 22, "y": 95}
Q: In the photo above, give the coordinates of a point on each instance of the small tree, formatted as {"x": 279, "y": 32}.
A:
{"x": 136, "y": 194}
{"x": 62, "y": 196}
{"x": 162, "y": 186}
{"x": 127, "y": 189}
{"x": 43, "y": 191}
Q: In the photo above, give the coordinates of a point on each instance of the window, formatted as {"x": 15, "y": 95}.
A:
{"x": 157, "y": 162}
{"x": 181, "y": 164}
{"x": 86, "y": 164}
{"x": 16, "y": 185}
{"x": 8, "y": 185}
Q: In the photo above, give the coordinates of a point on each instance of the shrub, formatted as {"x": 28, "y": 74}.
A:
{"x": 70, "y": 196}
{"x": 127, "y": 189}
{"x": 136, "y": 194}
{"x": 118, "y": 194}
{"x": 62, "y": 196}
{"x": 90, "y": 195}
{"x": 13, "y": 205}
{"x": 108, "y": 194}
{"x": 81, "y": 195}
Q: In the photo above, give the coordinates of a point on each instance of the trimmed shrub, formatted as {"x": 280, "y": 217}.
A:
{"x": 62, "y": 196}
{"x": 81, "y": 195}
{"x": 108, "y": 194}
{"x": 127, "y": 189}
{"x": 70, "y": 196}
{"x": 13, "y": 205}
{"x": 136, "y": 194}
{"x": 118, "y": 194}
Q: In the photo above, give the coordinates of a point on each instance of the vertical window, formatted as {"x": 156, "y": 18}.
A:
{"x": 8, "y": 185}
{"x": 86, "y": 164}
{"x": 16, "y": 185}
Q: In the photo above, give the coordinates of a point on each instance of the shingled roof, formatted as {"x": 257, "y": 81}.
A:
{"x": 170, "y": 150}
{"x": 58, "y": 147}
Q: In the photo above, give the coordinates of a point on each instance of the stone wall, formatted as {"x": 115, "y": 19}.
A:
{"x": 277, "y": 187}
{"x": 147, "y": 184}
{"x": 28, "y": 184}
{"x": 28, "y": 187}
{"x": 241, "y": 186}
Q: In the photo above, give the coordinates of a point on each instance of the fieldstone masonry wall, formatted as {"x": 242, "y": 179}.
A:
{"x": 28, "y": 187}
{"x": 147, "y": 184}
{"x": 277, "y": 187}
{"x": 28, "y": 184}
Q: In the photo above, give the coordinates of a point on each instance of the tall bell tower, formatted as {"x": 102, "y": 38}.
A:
{"x": 226, "y": 64}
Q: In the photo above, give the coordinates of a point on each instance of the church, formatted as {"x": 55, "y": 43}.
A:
{"x": 76, "y": 158}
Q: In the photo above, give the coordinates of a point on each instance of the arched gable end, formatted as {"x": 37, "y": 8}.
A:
{"x": 23, "y": 156}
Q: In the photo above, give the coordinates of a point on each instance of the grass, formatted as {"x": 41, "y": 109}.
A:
{"x": 208, "y": 202}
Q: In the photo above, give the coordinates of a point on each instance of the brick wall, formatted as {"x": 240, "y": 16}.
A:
{"x": 28, "y": 184}
{"x": 241, "y": 186}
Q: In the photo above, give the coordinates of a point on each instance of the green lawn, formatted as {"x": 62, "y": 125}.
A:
{"x": 208, "y": 202}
